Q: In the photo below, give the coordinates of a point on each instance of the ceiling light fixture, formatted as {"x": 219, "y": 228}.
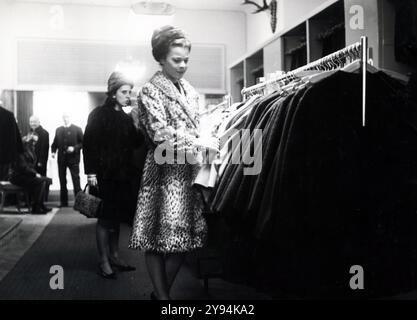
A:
{"x": 152, "y": 8}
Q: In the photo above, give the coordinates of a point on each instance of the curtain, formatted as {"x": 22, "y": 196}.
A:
{"x": 24, "y": 110}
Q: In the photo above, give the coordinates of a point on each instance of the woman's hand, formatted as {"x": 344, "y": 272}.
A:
{"x": 70, "y": 149}
{"x": 92, "y": 180}
{"x": 165, "y": 134}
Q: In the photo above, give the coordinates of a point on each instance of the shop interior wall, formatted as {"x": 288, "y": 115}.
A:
{"x": 97, "y": 24}
{"x": 20, "y": 20}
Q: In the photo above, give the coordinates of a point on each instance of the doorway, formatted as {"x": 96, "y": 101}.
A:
{"x": 49, "y": 106}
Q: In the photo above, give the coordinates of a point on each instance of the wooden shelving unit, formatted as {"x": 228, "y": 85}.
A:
{"x": 237, "y": 78}
{"x": 295, "y": 47}
{"x": 254, "y": 67}
{"x": 288, "y": 50}
{"x": 321, "y": 32}
{"x": 326, "y": 31}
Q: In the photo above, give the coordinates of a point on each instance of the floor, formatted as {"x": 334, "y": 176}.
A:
{"x": 63, "y": 237}
{"x": 32, "y": 245}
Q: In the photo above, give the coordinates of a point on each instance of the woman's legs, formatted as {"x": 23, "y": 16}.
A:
{"x": 173, "y": 262}
{"x": 163, "y": 270}
{"x": 114, "y": 249}
{"x": 103, "y": 244}
{"x": 155, "y": 264}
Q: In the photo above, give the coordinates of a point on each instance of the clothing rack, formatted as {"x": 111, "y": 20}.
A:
{"x": 357, "y": 51}
{"x": 226, "y": 103}
{"x": 228, "y": 100}
{"x": 364, "y": 67}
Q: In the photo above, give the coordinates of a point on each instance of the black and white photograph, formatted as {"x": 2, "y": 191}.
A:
{"x": 215, "y": 153}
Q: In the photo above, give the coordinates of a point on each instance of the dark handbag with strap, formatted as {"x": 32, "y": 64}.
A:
{"x": 88, "y": 204}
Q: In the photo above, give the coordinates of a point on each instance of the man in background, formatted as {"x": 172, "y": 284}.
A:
{"x": 41, "y": 137}
{"x": 68, "y": 142}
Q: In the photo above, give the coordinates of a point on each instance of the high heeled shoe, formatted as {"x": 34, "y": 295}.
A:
{"x": 106, "y": 275}
{"x": 122, "y": 267}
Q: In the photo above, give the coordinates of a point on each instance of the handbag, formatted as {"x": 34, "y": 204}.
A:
{"x": 88, "y": 204}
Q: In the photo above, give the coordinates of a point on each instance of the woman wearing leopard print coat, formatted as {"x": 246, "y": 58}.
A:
{"x": 169, "y": 221}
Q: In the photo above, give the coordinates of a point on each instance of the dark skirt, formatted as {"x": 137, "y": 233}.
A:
{"x": 119, "y": 200}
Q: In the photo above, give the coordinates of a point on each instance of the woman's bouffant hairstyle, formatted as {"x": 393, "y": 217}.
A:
{"x": 166, "y": 37}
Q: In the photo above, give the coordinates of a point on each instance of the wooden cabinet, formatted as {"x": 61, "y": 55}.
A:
{"x": 330, "y": 27}
{"x": 326, "y": 31}
{"x": 237, "y": 78}
{"x": 295, "y": 47}
{"x": 254, "y": 68}
{"x": 379, "y": 26}
{"x": 292, "y": 48}
{"x": 273, "y": 56}
{"x": 246, "y": 73}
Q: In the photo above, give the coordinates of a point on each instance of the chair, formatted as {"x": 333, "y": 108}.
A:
{"x": 7, "y": 188}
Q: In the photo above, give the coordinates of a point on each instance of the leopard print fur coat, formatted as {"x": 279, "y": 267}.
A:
{"x": 169, "y": 210}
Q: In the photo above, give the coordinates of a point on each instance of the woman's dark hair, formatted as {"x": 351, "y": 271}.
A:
{"x": 165, "y": 38}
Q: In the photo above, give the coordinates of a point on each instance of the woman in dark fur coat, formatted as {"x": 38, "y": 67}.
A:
{"x": 109, "y": 142}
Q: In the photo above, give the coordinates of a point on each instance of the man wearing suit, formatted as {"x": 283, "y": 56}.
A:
{"x": 68, "y": 141}
{"x": 41, "y": 146}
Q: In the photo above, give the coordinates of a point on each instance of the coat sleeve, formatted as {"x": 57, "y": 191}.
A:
{"x": 91, "y": 144}
{"x": 80, "y": 137}
{"x": 43, "y": 158}
{"x": 156, "y": 126}
{"x": 54, "y": 146}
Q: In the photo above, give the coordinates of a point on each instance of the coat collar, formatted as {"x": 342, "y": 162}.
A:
{"x": 160, "y": 81}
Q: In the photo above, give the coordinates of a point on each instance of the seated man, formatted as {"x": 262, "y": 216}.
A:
{"x": 24, "y": 175}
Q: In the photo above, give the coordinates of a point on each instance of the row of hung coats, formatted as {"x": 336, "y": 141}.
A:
{"x": 331, "y": 194}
